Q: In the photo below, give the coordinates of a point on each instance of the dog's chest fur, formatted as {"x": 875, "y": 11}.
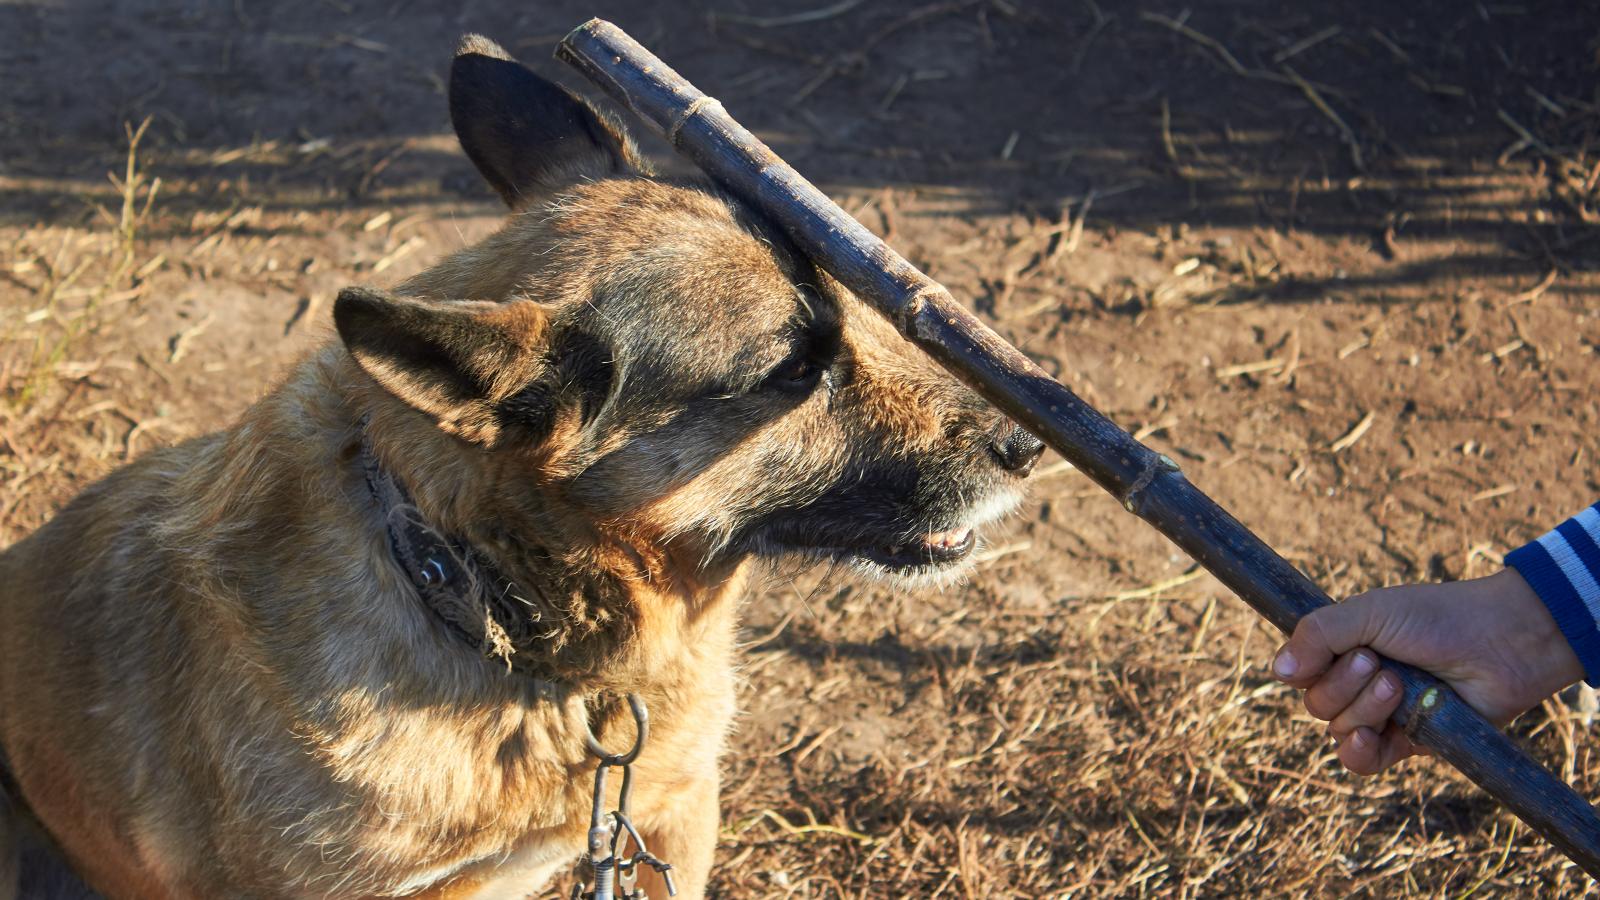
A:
{"x": 343, "y": 742}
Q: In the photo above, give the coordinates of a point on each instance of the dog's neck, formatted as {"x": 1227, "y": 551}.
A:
{"x": 512, "y": 573}
{"x": 460, "y": 585}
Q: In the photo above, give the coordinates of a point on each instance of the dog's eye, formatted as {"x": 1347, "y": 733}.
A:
{"x": 794, "y": 375}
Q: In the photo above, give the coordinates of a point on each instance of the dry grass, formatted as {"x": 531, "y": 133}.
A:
{"x": 65, "y": 282}
{"x": 86, "y": 270}
{"x": 1108, "y": 748}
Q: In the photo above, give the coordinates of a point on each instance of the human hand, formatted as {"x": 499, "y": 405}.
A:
{"x": 1491, "y": 639}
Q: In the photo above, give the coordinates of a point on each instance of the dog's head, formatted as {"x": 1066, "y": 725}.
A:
{"x": 652, "y": 356}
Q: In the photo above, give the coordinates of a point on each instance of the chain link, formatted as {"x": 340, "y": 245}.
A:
{"x": 616, "y": 876}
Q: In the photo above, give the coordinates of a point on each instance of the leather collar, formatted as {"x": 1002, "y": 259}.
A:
{"x": 456, "y": 581}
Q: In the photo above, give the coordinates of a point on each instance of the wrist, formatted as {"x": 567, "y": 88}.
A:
{"x": 1551, "y": 662}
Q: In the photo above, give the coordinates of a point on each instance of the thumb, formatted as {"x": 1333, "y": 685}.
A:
{"x": 1322, "y": 636}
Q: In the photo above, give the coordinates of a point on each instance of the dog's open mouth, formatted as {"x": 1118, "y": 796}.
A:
{"x": 941, "y": 555}
{"x": 928, "y": 554}
{"x": 937, "y": 548}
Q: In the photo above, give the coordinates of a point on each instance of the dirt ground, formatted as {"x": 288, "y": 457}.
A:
{"x": 1338, "y": 259}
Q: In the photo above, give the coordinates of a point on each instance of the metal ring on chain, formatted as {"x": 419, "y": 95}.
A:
{"x": 641, "y": 719}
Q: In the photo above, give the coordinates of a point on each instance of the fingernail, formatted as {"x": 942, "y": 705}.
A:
{"x": 1363, "y": 664}
{"x": 1358, "y": 739}
{"x": 1385, "y": 687}
{"x": 1285, "y": 665}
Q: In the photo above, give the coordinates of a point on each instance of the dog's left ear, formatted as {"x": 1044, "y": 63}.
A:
{"x": 527, "y": 134}
{"x": 459, "y": 362}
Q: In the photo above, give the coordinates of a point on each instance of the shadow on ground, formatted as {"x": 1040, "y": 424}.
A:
{"x": 1375, "y": 123}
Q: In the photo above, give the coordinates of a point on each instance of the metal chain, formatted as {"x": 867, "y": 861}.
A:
{"x": 616, "y": 876}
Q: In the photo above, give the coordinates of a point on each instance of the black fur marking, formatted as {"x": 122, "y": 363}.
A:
{"x": 42, "y": 870}
{"x": 588, "y": 368}
{"x": 523, "y": 131}
{"x": 532, "y": 410}
{"x": 584, "y": 374}
{"x": 403, "y": 337}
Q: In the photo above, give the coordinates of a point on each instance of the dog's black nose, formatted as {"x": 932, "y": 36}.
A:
{"x": 1017, "y": 451}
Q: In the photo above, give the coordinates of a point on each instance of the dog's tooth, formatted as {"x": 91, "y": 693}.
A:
{"x": 947, "y": 539}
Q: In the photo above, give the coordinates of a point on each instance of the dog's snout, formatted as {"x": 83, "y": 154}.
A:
{"x": 1017, "y": 450}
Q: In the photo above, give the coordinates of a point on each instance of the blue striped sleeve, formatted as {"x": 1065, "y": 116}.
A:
{"x": 1563, "y": 568}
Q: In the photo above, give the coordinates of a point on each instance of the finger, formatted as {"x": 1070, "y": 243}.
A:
{"x": 1412, "y": 748}
{"x": 1341, "y": 685}
{"x": 1395, "y": 736}
{"x": 1323, "y": 635}
{"x": 1362, "y": 752}
{"x": 1371, "y": 707}
{"x": 1368, "y": 752}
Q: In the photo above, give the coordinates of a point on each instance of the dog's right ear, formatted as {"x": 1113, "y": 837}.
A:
{"x": 457, "y": 361}
{"x": 525, "y": 133}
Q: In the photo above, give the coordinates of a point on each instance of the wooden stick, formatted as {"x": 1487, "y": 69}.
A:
{"x": 1147, "y": 483}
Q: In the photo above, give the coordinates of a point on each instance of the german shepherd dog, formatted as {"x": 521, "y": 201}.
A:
{"x": 353, "y": 645}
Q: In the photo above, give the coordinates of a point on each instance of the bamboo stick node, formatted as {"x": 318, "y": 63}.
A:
{"x": 1161, "y": 465}
{"x": 694, "y": 108}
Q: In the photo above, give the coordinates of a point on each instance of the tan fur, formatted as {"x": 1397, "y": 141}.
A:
{"x": 215, "y": 681}
{"x": 229, "y": 744}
